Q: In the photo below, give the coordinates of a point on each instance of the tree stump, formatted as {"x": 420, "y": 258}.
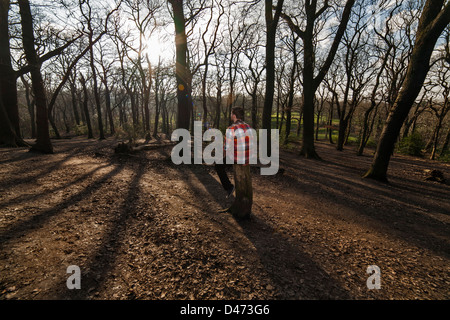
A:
{"x": 435, "y": 175}
{"x": 242, "y": 206}
{"x": 123, "y": 147}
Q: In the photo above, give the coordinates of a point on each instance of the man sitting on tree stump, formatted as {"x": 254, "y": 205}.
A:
{"x": 238, "y": 144}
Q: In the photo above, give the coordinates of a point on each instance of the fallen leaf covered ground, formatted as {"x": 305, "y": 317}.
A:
{"x": 140, "y": 227}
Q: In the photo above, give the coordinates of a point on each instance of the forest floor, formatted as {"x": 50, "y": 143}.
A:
{"x": 140, "y": 227}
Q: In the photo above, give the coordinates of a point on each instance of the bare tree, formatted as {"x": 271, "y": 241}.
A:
{"x": 73, "y": 92}
{"x": 69, "y": 64}
{"x": 210, "y": 41}
{"x": 106, "y": 68}
{"x": 252, "y": 76}
{"x": 161, "y": 87}
{"x": 85, "y": 107}
{"x": 88, "y": 14}
{"x": 282, "y": 85}
{"x": 183, "y": 73}
{"x": 321, "y": 100}
{"x": 142, "y": 14}
{"x": 440, "y": 108}
{"x": 219, "y": 81}
{"x": 30, "y": 105}
{"x": 127, "y": 74}
{"x": 43, "y": 143}
{"x": 239, "y": 32}
{"x": 357, "y": 71}
{"x": 9, "y": 113}
{"x": 10, "y": 128}
{"x": 292, "y": 78}
{"x": 310, "y": 81}
{"x": 271, "y": 28}
{"x": 434, "y": 19}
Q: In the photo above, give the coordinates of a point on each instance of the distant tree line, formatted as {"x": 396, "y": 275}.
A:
{"x": 375, "y": 71}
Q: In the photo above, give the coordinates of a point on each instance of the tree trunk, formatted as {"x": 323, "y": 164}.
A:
{"x": 309, "y": 88}
{"x": 242, "y": 206}
{"x": 300, "y": 116}
{"x": 121, "y": 113}
{"x": 330, "y": 122}
{"x": 146, "y": 96}
{"x": 183, "y": 76}
{"x": 157, "y": 101}
{"x": 80, "y": 104}
{"x": 218, "y": 102}
{"x": 108, "y": 109}
{"x": 204, "y": 106}
{"x": 43, "y": 143}
{"x": 86, "y": 109}
{"x": 282, "y": 117}
{"x": 308, "y": 150}
{"x": 96, "y": 94}
{"x": 349, "y": 128}
{"x": 278, "y": 107}
{"x": 288, "y": 118}
{"x": 51, "y": 119}
{"x": 318, "y": 124}
{"x": 254, "y": 110}
{"x": 343, "y": 123}
{"x": 30, "y": 105}
{"x": 64, "y": 116}
{"x": 9, "y": 120}
{"x": 164, "y": 128}
{"x": 7, "y": 134}
{"x": 311, "y": 82}
{"x": 271, "y": 27}
{"x": 446, "y": 142}
{"x": 432, "y": 22}
{"x": 365, "y": 130}
{"x": 291, "y": 93}
{"x": 436, "y": 139}
{"x": 73, "y": 92}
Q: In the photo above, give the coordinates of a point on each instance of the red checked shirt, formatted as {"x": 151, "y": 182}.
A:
{"x": 241, "y": 136}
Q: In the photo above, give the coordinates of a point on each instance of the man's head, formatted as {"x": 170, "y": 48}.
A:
{"x": 237, "y": 113}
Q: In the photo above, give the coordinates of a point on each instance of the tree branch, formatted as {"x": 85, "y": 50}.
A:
{"x": 75, "y": 61}
{"x": 337, "y": 39}
{"x": 443, "y": 18}
{"x": 45, "y": 57}
{"x": 322, "y": 10}
{"x": 292, "y": 25}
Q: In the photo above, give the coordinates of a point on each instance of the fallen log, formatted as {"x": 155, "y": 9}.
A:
{"x": 435, "y": 175}
{"x": 123, "y": 147}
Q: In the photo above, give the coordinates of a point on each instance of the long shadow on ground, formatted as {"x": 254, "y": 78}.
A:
{"x": 293, "y": 273}
{"x": 103, "y": 258}
{"x": 389, "y": 205}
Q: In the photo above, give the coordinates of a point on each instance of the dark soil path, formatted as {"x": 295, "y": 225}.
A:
{"x": 140, "y": 227}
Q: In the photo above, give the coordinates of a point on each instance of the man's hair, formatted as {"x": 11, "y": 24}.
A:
{"x": 238, "y": 112}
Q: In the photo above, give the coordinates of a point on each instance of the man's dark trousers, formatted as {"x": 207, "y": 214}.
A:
{"x": 220, "y": 169}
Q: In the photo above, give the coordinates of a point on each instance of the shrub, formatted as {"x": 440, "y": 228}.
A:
{"x": 412, "y": 145}
{"x": 81, "y": 129}
{"x": 120, "y": 133}
{"x": 445, "y": 157}
{"x": 371, "y": 143}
